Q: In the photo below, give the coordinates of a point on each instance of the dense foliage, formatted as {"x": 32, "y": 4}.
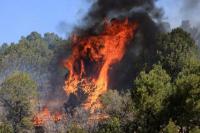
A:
{"x": 165, "y": 96}
{"x": 18, "y": 94}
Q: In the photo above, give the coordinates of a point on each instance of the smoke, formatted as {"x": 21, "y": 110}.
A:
{"x": 142, "y": 47}
{"x": 149, "y": 18}
{"x": 102, "y": 8}
{"x": 190, "y": 20}
{"x": 193, "y": 30}
{"x": 191, "y": 5}
{"x": 190, "y": 11}
{"x": 64, "y": 28}
{"x": 109, "y": 9}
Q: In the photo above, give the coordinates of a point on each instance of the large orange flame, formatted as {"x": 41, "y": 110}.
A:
{"x": 92, "y": 57}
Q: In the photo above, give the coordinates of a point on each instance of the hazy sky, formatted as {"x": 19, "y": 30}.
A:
{"x": 20, "y": 17}
{"x": 171, "y": 11}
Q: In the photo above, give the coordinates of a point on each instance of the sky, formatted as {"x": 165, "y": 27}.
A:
{"x": 21, "y": 17}
{"x": 171, "y": 11}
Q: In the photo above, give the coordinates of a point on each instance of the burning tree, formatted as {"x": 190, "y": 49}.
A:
{"x": 93, "y": 56}
{"x": 89, "y": 64}
{"x": 101, "y": 44}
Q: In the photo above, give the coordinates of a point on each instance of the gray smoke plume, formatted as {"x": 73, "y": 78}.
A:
{"x": 191, "y": 21}
{"x": 191, "y": 5}
{"x": 193, "y": 30}
{"x": 190, "y": 11}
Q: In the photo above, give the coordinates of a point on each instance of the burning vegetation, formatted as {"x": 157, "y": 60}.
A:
{"x": 93, "y": 56}
{"x": 44, "y": 116}
{"x": 97, "y": 48}
{"x": 119, "y": 74}
{"x": 89, "y": 63}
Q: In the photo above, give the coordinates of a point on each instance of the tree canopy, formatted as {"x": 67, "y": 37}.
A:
{"x": 18, "y": 94}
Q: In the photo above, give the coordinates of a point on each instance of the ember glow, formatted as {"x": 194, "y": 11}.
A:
{"x": 57, "y": 117}
{"x": 44, "y": 116}
{"x": 93, "y": 56}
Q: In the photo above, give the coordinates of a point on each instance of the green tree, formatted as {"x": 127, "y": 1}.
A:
{"x": 152, "y": 89}
{"x": 18, "y": 94}
{"x": 179, "y": 56}
{"x": 33, "y": 36}
{"x": 119, "y": 106}
{"x": 5, "y": 128}
{"x": 171, "y": 128}
{"x": 110, "y": 126}
{"x": 3, "y": 47}
{"x": 30, "y": 55}
{"x": 39, "y": 56}
{"x": 195, "y": 130}
{"x": 173, "y": 49}
{"x": 150, "y": 95}
{"x": 76, "y": 129}
{"x": 52, "y": 40}
{"x": 185, "y": 102}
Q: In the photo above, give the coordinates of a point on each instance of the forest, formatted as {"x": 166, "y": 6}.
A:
{"x": 162, "y": 97}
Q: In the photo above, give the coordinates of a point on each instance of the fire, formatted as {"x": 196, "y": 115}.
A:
{"x": 89, "y": 65}
{"x": 93, "y": 56}
{"x": 41, "y": 117}
{"x": 57, "y": 117}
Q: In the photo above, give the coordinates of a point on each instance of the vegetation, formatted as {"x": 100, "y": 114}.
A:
{"x": 173, "y": 48}
{"x": 165, "y": 97}
{"x": 6, "y": 128}
{"x": 18, "y": 94}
